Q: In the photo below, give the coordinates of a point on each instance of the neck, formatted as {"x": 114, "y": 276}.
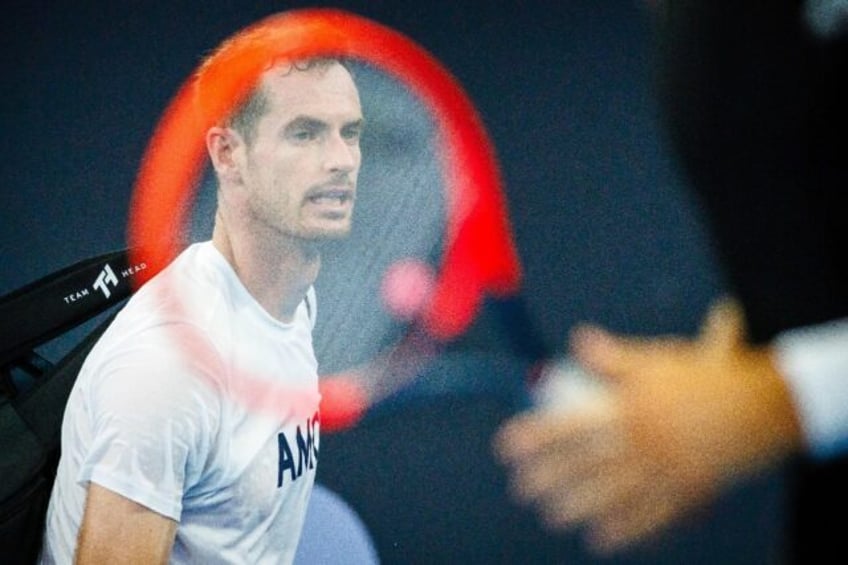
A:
{"x": 276, "y": 270}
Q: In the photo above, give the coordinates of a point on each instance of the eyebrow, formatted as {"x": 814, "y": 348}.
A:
{"x": 358, "y": 123}
{"x": 314, "y": 123}
{"x": 305, "y": 122}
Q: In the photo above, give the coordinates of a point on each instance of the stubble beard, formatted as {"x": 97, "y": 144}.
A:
{"x": 291, "y": 232}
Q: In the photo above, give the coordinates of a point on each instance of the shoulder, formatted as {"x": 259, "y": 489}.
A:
{"x": 171, "y": 313}
{"x": 161, "y": 349}
{"x": 156, "y": 369}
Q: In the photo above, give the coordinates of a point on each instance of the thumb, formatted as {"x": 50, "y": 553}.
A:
{"x": 723, "y": 328}
{"x": 609, "y": 356}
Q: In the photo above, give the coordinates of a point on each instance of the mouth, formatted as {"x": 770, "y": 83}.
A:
{"x": 331, "y": 200}
{"x": 336, "y": 193}
{"x": 331, "y": 197}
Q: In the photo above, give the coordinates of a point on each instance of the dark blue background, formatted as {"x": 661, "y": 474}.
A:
{"x": 566, "y": 90}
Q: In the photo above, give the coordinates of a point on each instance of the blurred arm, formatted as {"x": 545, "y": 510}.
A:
{"x": 117, "y": 530}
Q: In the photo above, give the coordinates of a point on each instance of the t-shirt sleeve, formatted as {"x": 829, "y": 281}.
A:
{"x": 153, "y": 414}
{"x": 814, "y": 362}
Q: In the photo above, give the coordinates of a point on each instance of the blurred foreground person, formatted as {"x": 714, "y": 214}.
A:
{"x": 757, "y": 111}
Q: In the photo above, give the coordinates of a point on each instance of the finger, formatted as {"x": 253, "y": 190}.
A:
{"x": 610, "y": 486}
{"x": 552, "y": 473}
{"x": 723, "y": 328}
{"x": 518, "y": 437}
{"x": 526, "y": 435}
{"x": 636, "y": 521}
{"x": 611, "y": 356}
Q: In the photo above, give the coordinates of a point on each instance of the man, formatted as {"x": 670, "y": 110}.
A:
{"x": 191, "y": 434}
{"x": 756, "y": 108}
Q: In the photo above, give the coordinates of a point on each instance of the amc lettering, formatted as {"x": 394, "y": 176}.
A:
{"x": 307, "y": 451}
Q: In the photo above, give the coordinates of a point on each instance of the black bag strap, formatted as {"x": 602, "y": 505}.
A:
{"x": 50, "y": 306}
{"x": 31, "y": 418}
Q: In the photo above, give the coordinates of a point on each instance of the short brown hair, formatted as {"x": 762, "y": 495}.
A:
{"x": 245, "y": 117}
{"x": 250, "y": 49}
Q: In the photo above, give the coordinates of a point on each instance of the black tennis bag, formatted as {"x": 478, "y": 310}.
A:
{"x": 33, "y": 390}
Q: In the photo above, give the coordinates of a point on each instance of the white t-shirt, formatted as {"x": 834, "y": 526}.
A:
{"x": 199, "y": 405}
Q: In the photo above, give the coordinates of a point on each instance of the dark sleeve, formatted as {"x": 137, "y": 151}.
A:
{"x": 756, "y": 111}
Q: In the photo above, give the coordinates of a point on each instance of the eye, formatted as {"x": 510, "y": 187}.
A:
{"x": 352, "y": 133}
{"x": 304, "y": 130}
{"x": 303, "y": 135}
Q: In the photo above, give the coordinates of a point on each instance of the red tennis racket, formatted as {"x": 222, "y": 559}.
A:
{"x": 434, "y": 297}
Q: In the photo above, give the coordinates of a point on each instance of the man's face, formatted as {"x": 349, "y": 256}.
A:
{"x": 301, "y": 166}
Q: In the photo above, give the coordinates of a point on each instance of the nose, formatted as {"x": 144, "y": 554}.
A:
{"x": 341, "y": 155}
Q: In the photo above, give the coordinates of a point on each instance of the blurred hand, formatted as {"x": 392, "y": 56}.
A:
{"x": 683, "y": 419}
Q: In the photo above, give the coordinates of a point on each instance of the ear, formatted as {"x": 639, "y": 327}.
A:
{"x": 224, "y": 146}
